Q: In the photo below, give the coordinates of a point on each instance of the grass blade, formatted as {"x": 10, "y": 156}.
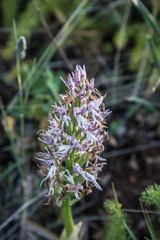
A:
{"x": 130, "y": 232}
{"x": 9, "y": 169}
{"x": 148, "y": 17}
{"x": 149, "y": 224}
{"x": 154, "y": 52}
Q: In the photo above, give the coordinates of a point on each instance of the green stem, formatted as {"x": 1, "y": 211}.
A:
{"x": 67, "y": 216}
{"x": 21, "y": 95}
{"x": 18, "y": 67}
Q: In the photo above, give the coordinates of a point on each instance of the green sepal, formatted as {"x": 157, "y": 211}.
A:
{"x": 82, "y": 160}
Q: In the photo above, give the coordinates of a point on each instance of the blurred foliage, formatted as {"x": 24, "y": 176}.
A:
{"x": 11, "y": 125}
{"x": 151, "y": 196}
{"x": 10, "y": 9}
{"x": 115, "y": 125}
{"x": 58, "y": 11}
{"x": 28, "y": 19}
{"x": 115, "y": 228}
{"x": 43, "y": 93}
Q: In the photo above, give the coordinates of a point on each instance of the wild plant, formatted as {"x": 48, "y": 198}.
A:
{"x": 73, "y": 143}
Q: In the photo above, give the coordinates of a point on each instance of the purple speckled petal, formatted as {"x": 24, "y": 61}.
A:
{"x": 79, "y": 110}
{"x": 91, "y": 137}
{"x": 73, "y": 142}
{"x": 82, "y": 92}
{"x": 105, "y": 114}
{"x": 91, "y": 84}
{"x": 78, "y": 187}
{"x": 95, "y": 104}
{"x": 48, "y": 140}
{"x": 77, "y": 168}
{"x": 70, "y": 82}
{"x": 61, "y": 110}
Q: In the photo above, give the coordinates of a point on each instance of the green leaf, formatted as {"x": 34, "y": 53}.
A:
{"x": 115, "y": 197}
{"x": 82, "y": 160}
{"x": 130, "y": 232}
{"x": 54, "y": 83}
{"x": 74, "y": 235}
{"x": 143, "y": 102}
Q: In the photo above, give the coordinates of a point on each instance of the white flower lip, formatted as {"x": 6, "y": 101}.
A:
{"x": 87, "y": 176}
{"x": 51, "y": 174}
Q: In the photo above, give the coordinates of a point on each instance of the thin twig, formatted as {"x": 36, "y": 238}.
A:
{"x": 50, "y": 35}
{"x": 132, "y": 149}
{"x": 43, "y": 21}
{"x": 118, "y": 52}
{"x": 140, "y": 211}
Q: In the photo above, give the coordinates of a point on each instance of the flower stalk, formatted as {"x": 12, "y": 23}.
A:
{"x": 67, "y": 217}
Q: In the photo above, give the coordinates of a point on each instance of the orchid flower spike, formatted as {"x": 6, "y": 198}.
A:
{"x": 74, "y": 139}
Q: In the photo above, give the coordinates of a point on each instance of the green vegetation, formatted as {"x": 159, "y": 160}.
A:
{"x": 116, "y": 222}
{"x": 117, "y": 227}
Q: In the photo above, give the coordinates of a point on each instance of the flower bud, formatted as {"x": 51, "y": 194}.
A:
{"x": 21, "y": 47}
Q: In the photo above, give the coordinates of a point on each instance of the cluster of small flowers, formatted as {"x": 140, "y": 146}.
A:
{"x": 74, "y": 139}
